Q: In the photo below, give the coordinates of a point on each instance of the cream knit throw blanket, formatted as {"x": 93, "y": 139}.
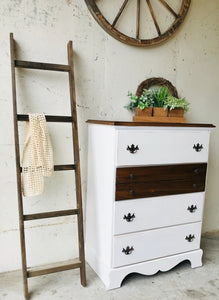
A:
{"x": 37, "y": 160}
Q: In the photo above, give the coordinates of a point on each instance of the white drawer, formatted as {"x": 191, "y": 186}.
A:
{"x": 161, "y": 147}
{"x": 155, "y": 243}
{"x": 156, "y": 212}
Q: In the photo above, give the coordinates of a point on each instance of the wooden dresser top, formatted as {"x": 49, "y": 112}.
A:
{"x": 134, "y": 124}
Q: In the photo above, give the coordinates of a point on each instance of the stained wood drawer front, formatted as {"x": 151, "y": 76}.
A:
{"x": 158, "y": 188}
{"x": 144, "y": 147}
{"x": 159, "y": 181}
{"x": 142, "y": 246}
{"x": 163, "y": 172}
{"x": 150, "y": 213}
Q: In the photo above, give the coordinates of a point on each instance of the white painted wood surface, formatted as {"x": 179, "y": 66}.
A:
{"x": 157, "y": 212}
{"x": 113, "y": 277}
{"x": 161, "y": 147}
{"x": 100, "y": 191}
{"x": 161, "y": 224}
{"x": 155, "y": 243}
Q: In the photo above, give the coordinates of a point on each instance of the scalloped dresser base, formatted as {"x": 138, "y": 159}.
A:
{"x": 112, "y": 278}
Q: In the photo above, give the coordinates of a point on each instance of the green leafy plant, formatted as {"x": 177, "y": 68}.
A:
{"x": 159, "y": 96}
{"x": 134, "y": 101}
{"x": 144, "y": 101}
{"x": 171, "y": 102}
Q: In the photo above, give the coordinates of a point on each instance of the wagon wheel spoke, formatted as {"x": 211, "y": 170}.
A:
{"x": 153, "y": 17}
{"x": 138, "y": 19}
{"x": 119, "y": 13}
{"x": 169, "y": 8}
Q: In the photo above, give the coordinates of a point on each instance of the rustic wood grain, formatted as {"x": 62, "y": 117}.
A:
{"x": 41, "y": 66}
{"x": 158, "y": 173}
{"x": 62, "y": 119}
{"x": 138, "y": 19}
{"x": 17, "y": 156}
{"x": 159, "y": 188}
{"x": 52, "y": 214}
{"x": 136, "y": 124}
{"x": 77, "y": 162}
{"x": 119, "y": 12}
{"x": 153, "y": 17}
{"x": 64, "y": 167}
{"x": 64, "y": 266}
{"x": 165, "y": 4}
{"x": 110, "y": 29}
{"x": 61, "y": 168}
{"x": 158, "y": 119}
{"x": 76, "y": 167}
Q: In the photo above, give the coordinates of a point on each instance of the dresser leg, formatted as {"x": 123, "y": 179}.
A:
{"x": 196, "y": 259}
{"x": 115, "y": 279}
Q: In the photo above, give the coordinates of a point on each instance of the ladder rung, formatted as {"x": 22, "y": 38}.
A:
{"x": 41, "y": 66}
{"x": 52, "y": 214}
{"x": 64, "y": 119}
{"x": 64, "y": 167}
{"x": 61, "y": 168}
{"x": 37, "y": 271}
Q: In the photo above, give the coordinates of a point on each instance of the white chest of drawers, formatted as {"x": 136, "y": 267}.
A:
{"x": 145, "y": 197}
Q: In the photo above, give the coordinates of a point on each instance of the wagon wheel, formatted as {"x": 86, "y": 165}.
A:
{"x": 111, "y": 26}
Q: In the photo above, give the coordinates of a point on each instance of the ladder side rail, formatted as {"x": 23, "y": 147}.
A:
{"x": 17, "y": 155}
{"x": 77, "y": 162}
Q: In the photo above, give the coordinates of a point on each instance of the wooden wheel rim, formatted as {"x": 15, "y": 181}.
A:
{"x": 136, "y": 41}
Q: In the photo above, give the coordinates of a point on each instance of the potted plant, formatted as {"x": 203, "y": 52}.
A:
{"x": 159, "y": 97}
{"x": 176, "y": 107}
{"x": 143, "y": 105}
{"x": 157, "y": 105}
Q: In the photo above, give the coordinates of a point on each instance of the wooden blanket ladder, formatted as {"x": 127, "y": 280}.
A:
{"x": 80, "y": 262}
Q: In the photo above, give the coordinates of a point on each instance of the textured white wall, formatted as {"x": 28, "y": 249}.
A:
{"x": 105, "y": 69}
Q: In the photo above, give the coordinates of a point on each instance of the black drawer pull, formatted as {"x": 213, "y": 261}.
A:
{"x": 197, "y": 171}
{"x": 192, "y": 208}
{"x": 132, "y": 192}
{"x": 133, "y": 149}
{"x": 128, "y": 250}
{"x": 129, "y": 217}
{"x": 132, "y": 176}
{"x": 190, "y": 238}
{"x": 195, "y": 185}
{"x": 198, "y": 147}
